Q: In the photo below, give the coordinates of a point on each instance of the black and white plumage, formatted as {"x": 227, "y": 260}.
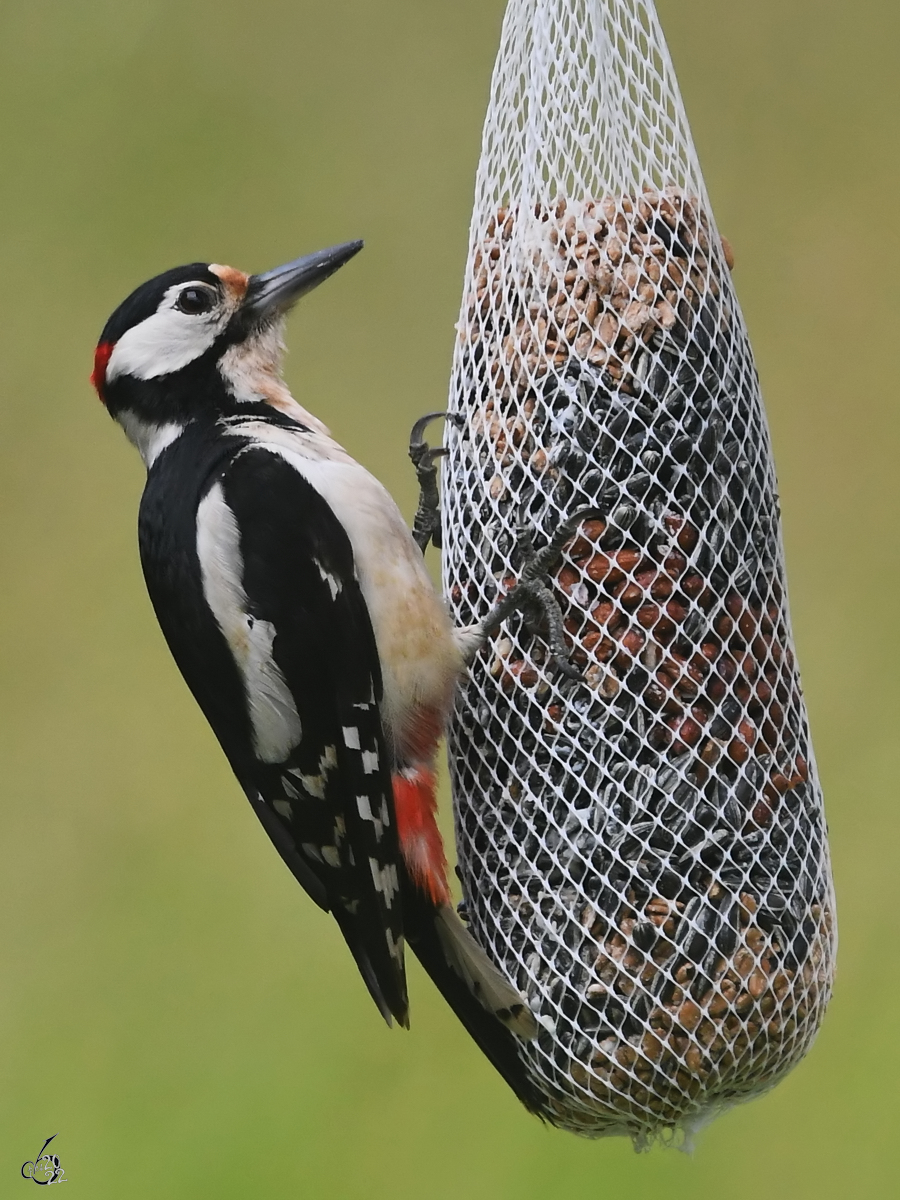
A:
{"x": 300, "y": 614}
{"x": 293, "y": 693}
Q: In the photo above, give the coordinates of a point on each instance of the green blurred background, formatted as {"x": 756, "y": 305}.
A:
{"x": 171, "y": 1002}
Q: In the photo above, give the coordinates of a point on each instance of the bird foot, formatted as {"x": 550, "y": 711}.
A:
{"x": 532, "y": 593}
{"x": 427, "y": 524}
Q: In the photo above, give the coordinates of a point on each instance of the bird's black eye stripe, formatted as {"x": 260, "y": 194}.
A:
{"x": 195, "y": 300}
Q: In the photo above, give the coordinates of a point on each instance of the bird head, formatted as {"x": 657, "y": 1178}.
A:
{"x": 203, "y": 339}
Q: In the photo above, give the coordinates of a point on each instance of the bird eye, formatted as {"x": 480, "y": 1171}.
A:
{"x": 194, "y": 300}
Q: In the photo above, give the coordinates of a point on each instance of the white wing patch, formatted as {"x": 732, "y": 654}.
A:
{"x": 314, "y": 785}
{"x": 395, "y": 947}
{"x": 334, "y": 582}
{"x": 365, "y": 808}
{"x": 351, "y": 737}
{"x": 370, "y": 761}
{"x": 365, "y": 811}
{"x": 385, "y": 880}
{"x": 273, "y": 715}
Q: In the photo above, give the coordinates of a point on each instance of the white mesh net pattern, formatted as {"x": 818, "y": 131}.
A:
{"x": 642, "y": 851}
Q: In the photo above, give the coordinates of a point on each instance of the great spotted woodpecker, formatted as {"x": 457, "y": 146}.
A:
{"x": 299, "y": 611}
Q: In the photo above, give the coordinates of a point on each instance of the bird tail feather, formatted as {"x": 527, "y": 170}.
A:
{"x": 486, "y": 983}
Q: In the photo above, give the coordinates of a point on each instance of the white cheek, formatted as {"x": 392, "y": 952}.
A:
{"x": 163, "y": 343}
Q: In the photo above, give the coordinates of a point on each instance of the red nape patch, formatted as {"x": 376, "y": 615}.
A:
{"x": 415, "y": 804}
{"x": 101, "y": 361}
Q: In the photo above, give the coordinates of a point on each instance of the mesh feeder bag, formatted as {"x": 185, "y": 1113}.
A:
{"x": 643, "y": 849}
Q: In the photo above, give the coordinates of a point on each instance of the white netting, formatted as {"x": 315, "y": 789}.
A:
{"x": 642, "y": 851}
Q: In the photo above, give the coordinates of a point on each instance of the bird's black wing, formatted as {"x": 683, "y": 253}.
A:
{"x": 260, "y": 604}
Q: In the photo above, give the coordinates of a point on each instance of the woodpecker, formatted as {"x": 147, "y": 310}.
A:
{"x": 298, "y": 608}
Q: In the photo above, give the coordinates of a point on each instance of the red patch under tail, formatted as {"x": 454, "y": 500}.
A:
{"x": 415, "y": 804}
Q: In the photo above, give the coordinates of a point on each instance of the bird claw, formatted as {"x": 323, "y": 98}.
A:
{"x": 427, "y": 523}
{"x": 533, "y": 593}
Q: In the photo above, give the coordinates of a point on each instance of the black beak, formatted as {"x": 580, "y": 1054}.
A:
{"x": 273, "y": 292}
